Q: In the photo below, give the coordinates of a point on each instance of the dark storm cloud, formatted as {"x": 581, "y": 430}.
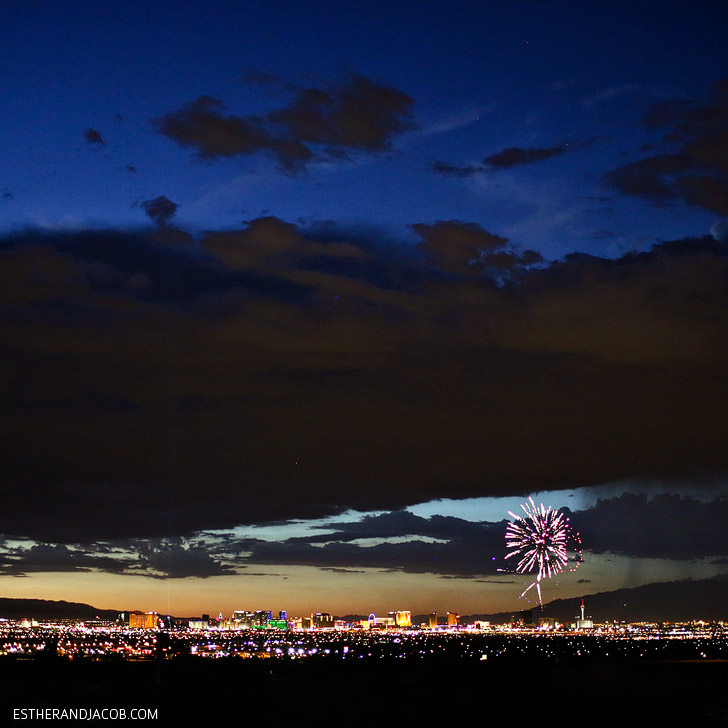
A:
{"x": 461, "y": 547}
{"x": 664, "y": 526}
{"x": 634, "y": 525}
{"x": 694, "y": 166}
{"x": 44, "y": 557}
{"x": 319, "y": 123}
{"x": 275, "y": 372}
{"x": 172, "y": 559}
{"x": 466, "y": 555}
{"x": 402, "y": 523}
{"x": 93, "y": 137}
{"x": 158, "y": 559}
{"x": 517, "y": 156}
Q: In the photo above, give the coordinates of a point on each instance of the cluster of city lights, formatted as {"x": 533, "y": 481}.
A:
{"x": 481, "y": 641}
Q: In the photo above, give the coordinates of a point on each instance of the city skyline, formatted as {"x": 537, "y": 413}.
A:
{"x": 304, "y": 301}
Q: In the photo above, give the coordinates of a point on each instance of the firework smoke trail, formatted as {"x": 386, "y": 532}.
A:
{"x": 542, "y": 540}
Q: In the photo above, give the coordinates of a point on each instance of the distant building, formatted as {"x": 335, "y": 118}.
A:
{"x": 433, "y": 620}
{"x": 525, "y": 617}
{"x": 452, "y": 619}
{"x": 374, "y": 622}
{"x": 584, "y": 622}
{"x": 402, "y": 618}
{"x": 322, "y": 620}
{"x": 242, "y": 619}
{"x": 140, "y": 620}
{"x": 262, "y": 619}
{"x": 276, "y": 624}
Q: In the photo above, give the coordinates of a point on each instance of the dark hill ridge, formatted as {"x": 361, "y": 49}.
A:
{"x": 46, "y": 609}
{"x": 672, "y": 601}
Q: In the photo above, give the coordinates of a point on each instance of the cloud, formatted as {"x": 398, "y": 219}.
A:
{"x": 360, "y": 115}
{"x": 395, "y": 524}
{"x": 517, "y": 156}
{"x": 337, "y": 570}
{"x": 661, "y": 526}
{"x": 93, "y": 137}
{"x": 664, "y": 526}
{"x": 694, "y": 166}
{"x": 651, "y": 178}
{"x": 318, "y": 124}
{"x": 719, "y": 230}
{"x": 455, "y": 246}
{"x": 511, "y": 157}
{"x": 467, "y": 249}
{"x": 45, "y": 557}
{"x": 451, "y": 170}
{"x": 201, "y": 124}
{"x": 277, "y": 372}
{"x": 160, "y": 210}
{"x": 271, "y": 246}
{"x": 477, "y": 552}
{"x": 172, "y": 559}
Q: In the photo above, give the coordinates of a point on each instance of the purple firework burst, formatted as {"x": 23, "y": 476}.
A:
{"x": 542, "y": 541}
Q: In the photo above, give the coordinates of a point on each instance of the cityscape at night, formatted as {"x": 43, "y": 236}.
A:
{"x": 92, "y": 662}
{"x": 149, "y": 636}
{"x": 364, "y": 363}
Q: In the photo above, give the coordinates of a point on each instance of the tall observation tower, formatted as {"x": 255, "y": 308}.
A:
{"x": 583, "y": 623}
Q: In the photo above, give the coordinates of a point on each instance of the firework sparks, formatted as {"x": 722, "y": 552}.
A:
{"x": 542, "y": 541}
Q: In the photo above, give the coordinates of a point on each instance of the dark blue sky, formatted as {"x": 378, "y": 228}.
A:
{"x": 482, "y": 78}
{"x": 378, "y": 264}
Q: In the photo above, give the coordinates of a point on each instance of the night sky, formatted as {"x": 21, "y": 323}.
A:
{"x": 298, "y": 301}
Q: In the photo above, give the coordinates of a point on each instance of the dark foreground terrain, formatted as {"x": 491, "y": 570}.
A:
{"x": 384, "y": 692}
